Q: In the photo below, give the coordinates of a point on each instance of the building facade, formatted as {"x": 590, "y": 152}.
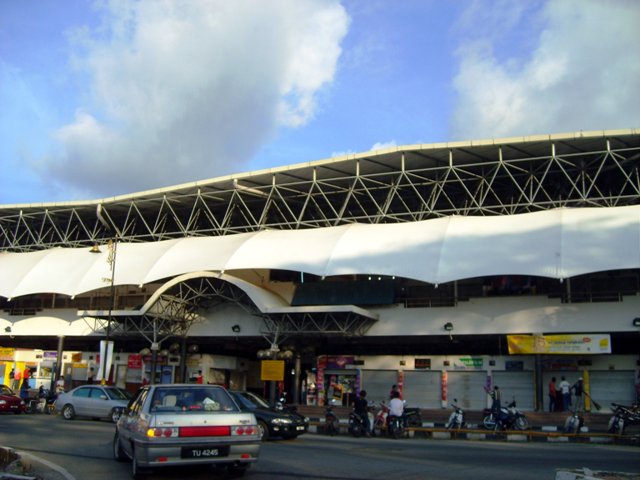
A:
{"x": 436, "y": 267}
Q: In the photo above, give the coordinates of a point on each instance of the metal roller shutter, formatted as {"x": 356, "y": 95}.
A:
{"x": 612, "y": 386}
{"x": 518, "y": 385}
{"x": 468, "y": 388}
{"x": 378, "y": 383}
{"x": 422, "y": 389}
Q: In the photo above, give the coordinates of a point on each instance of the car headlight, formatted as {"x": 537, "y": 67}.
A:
{"x": 281, "y": 421}
{"x": 3, "y": 402}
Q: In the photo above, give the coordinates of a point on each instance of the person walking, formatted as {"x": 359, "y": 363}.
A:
{"x": 552, "y": 394}
{"x": 565, "y": 391}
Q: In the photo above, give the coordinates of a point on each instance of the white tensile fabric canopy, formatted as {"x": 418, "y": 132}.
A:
{"x": 558, "y": 243}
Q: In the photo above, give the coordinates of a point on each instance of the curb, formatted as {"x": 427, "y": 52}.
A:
{"x": 27, "y": 466}
{"x": 547, "y": 433}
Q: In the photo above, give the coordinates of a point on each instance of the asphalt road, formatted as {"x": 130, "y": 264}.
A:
{"x": 83, "y": 449}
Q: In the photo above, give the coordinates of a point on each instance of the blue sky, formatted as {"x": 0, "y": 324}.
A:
{"x": 113, "y": 97}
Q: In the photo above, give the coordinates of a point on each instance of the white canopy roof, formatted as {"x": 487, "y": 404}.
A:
{"x": 553, "y": 243}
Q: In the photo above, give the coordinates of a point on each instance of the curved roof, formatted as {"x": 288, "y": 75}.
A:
{"x": 558, "y": 243}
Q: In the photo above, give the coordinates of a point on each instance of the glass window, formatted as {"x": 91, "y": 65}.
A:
{"x": 192, "y": 399}
{"x": 82, "y": 392}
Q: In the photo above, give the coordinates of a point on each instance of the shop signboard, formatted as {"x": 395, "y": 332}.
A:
{"x": 272, "y": 370}
{"x": 589, "y": 344}
{"x": 6, "y": 354}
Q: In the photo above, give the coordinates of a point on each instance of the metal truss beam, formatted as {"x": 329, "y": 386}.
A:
{"x": 395, "y": 187}
{"x": 180, "y": 307}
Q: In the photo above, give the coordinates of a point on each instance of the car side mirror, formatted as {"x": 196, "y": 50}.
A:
{"x": 103, "y": 397}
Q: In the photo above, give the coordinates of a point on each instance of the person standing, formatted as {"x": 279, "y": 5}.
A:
{"x": 578, "y": 390}
{"x": 90, "y": 377}
{"x": 565, "y": 391}
{"x": 199, "y": 378}
{"x": 552, "y": 394}
{"x": 16, "y": 380}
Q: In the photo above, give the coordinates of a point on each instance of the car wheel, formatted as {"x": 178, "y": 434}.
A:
{"x": 118, "y": 452}
{"x": 237, "y": 470}
{"x": 116, "y": 413}
{"x": 68, "y": 413}
{"x": 264, "y": 430}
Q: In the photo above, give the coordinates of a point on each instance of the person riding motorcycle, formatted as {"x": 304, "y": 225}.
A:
{"x": 396, "y": 406}
{"x": 361, "y": 408}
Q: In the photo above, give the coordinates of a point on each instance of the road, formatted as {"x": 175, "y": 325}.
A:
{"x": 83, "y": 448}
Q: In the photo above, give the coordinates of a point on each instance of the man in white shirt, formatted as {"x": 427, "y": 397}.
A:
{"x": 565, "y": 390}
{"x": 396, "y": 406}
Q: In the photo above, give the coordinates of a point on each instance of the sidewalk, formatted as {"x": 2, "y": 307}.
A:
{"x": 543, "y": 426}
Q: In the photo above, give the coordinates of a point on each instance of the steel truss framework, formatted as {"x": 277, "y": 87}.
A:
{"x": 401, "y": 186}
{"x": 178, "y": 308}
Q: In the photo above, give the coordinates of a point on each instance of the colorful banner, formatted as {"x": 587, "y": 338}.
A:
{"x": 560, "y": 344}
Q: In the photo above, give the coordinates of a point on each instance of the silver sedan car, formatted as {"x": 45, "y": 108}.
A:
{"x": 186, "y": 424}
{"x": 95, "y": 401}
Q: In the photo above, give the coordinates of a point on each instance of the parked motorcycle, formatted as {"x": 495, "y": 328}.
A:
{"x": 395, "y": 426}
{"x": 331, "y": 423}
{"x": 573, "y": 423}
{"x": 623, "y": 415}
{"x": 412, "y": 417}
{"x": 357, "y": 426}
{"x": 379, "y": 425}
{"x": 456, "y": 419}
{"x": 509, "y": 418}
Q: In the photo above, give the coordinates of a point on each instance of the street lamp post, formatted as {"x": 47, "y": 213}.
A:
{"x": 112, "y": 248}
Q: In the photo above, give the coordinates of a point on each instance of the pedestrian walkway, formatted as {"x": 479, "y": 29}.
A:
{"x": 543, "y": 426}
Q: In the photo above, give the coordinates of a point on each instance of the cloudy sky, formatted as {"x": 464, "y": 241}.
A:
{"x": 110, "y": 97}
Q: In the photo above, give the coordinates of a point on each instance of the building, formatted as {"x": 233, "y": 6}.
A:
{"x": 417, "y": 265}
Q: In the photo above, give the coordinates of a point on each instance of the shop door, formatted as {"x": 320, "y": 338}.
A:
{"x": 468, "y": 388}
{"x": 378, "y": 384}
{"x": 517, "y": 385}
{"x": 423, "y": 389}
{"x": 615, "y": 386}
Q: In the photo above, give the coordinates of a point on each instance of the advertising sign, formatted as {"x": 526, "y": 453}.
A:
{"x": 272, "y": 370}
{"x": 589, "y": 344}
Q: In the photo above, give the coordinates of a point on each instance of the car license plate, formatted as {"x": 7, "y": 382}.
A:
{"x": 204, "y": 452}
{"x": 300, "y": 427}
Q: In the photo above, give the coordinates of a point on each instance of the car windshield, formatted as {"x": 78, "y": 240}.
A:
{"x": 118, "y": 394}
{"x": 251, "y": 400}
{"x": 192, "y": 399}
{"x": 6, "y": 391}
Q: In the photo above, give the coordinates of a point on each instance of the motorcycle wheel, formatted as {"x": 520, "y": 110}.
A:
{"x": 489, "y": 422}
{"x": 356, "y": 430}
{"x": 414, "y": 421}
{"x": 522, "y": 423}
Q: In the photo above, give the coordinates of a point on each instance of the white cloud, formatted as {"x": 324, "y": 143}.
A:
{"x": 185, "y": 90}
{"x": 581, "y": 73}
{"x": 383, "y": 145}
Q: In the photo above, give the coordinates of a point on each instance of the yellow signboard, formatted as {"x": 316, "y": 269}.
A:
{"x": 6, "y": 354}
{"x": 559, "y": 344}
{"x": 272, "y": 370}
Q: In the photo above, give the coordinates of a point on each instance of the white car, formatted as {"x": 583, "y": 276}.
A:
{"x": 186, "y": 424}
{"x": 95, "y": 401}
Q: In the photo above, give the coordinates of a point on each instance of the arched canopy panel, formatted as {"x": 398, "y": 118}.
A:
{"x": 554, "y": 243}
